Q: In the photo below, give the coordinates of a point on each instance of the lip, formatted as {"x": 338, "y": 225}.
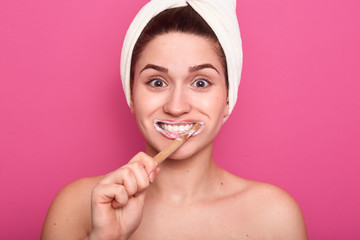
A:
{"x": 174, "y": 135}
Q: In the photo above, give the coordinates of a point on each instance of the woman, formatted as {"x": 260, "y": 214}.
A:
{"x": 176, "y": 73}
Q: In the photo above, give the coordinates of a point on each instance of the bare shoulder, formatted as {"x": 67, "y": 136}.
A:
{"x": 273, "y": 210}
{"x": 69, "y": 215}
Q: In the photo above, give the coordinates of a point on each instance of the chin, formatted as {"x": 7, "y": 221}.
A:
{"x": 181, "y": 155}
{"x": 191, "y": 149}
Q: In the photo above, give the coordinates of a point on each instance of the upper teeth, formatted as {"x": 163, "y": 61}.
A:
{"x": 176, "y": 128}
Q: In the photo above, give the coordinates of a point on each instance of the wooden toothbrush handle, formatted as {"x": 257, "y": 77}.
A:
{"x": 161, "y": 156}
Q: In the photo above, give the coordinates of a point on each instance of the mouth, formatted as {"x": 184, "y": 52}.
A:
{"x": 174, "y": 130}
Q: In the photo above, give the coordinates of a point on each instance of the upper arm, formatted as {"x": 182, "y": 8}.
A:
{"x": 69, "y": 216}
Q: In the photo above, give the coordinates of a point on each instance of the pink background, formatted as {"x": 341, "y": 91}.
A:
{"x": 296, "y": 124}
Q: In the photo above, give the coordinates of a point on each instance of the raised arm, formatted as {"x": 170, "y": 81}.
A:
{"x": 108, "y": 207}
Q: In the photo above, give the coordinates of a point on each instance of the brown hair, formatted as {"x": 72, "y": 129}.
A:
{"x": 181, "y": 19}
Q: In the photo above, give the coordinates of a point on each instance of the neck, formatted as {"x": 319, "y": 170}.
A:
{"x": 186, "y": 180}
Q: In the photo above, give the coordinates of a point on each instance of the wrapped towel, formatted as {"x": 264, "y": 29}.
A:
{"x": 220, "y": 15}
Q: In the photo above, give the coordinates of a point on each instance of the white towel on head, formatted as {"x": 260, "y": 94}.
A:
{"x": 220, "y": 15}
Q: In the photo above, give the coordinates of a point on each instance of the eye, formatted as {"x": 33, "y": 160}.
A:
{"x": 201, "y": 83}
{"x": 157, "y": 83}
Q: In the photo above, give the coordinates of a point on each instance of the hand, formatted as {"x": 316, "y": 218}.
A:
{"x": 117, "y": 201}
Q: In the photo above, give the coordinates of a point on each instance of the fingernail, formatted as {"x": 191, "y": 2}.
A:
{"x": 152, "y": 177}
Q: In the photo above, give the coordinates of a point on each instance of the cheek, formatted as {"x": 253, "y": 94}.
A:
{"x": 145, "y": 103}
{"x": 214, "y": 104}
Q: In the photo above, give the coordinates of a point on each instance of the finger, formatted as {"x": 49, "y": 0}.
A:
{"x": 127, "y": 177}
{"x": 136, "y": 175}
{"x": 133, "y": 176}
{"x": 115, "y": 194}
{"x": 117, "y": 176}
{"x": 140, "y": 197}
{"x": 149, "y": 163}
{"x": 142, "y": 178}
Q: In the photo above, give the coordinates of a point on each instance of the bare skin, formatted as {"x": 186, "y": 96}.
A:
{"x": 237, "y": 209}
{"x": 191, "y": 197}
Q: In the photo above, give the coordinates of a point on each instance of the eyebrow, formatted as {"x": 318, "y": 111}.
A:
{"x": 155, "y": 67}
{"x": 191, "y": 69}
{"x": 202, "y": 66}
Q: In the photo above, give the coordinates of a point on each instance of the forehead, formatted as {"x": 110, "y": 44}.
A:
{"x": 179, "y": 49}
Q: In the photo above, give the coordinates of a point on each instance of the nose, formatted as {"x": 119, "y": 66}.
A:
{"x": 178, "y": 103}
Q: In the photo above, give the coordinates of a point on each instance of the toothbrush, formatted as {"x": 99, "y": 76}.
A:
{"x": 161, "y": 156}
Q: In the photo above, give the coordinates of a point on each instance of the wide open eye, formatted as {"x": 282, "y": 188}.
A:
{"x": 201, "y": 83}
{"x": 157, "y": 83}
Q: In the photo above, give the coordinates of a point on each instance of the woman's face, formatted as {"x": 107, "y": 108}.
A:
{"x": 179, "y": 80}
